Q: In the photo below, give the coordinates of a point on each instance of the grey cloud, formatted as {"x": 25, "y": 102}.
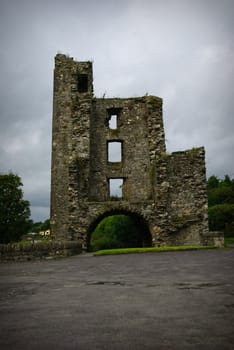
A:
{"x": 176, "y": 49}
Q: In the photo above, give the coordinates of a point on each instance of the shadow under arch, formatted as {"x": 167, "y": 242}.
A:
{"x": 136, "y": 217}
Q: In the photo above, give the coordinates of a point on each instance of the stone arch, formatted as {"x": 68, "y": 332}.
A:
{"x": 138, "y": 219}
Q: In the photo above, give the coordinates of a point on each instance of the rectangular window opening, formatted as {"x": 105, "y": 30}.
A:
{"x": 113, "y": 121}
{"x": 114, "y": 149}
{"x": 113, "y": 115}
{"x": 116, "y": 188}
{"x": 82, "y": 82}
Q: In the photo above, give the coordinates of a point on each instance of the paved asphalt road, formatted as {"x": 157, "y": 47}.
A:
{"x": 177, "y": 300}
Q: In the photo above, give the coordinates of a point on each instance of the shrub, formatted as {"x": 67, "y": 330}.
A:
{"x": 221, "y": 217}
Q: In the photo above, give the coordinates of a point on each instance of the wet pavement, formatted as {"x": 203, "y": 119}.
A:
{"x": 171, "y": 300}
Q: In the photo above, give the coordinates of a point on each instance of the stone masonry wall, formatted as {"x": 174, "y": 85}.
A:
{"x": 188, "y": 197}
{"x": 165, "y": 193}
{"x": 38, "y": 250}
{"x": 70, "y": 141}
{"x": 136, "y": 129}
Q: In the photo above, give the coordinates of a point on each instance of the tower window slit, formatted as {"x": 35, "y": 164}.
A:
{"x": 82, "y": 82}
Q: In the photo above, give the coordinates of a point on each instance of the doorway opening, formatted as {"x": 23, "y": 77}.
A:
{"x": 118, "y": 229}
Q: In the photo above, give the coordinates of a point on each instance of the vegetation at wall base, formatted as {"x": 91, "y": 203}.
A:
{"x": 221, "y": 205}
{"x": 149, "y": 250}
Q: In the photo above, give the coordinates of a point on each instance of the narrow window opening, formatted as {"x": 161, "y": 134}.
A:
{"x": 82, "y": 82}
{"x": 113, "y": 116}
{"x": 114, "y": 151}
{"x": 113, "y": 121}
{"x": 116, "y": 188}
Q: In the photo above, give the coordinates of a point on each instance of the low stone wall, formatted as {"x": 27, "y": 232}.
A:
{"x": 38, "y": 250}
{"x": 214, "y": 238}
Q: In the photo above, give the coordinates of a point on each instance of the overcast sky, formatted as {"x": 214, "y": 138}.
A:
{"x": 180, "y": 50}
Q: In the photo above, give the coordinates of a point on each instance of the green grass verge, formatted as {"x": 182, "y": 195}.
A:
{"x": 146, "y": 250}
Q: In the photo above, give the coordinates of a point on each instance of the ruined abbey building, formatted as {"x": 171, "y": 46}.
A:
{"x": 109, "y": 157}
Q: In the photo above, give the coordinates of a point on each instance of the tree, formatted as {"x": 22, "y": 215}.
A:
{"x": 14, "y": 210}
{"x": 45, "y": 225}
{"x": 221, "y": 216}
{"x": 212, "y": 182}
{"x": 40, "y": 226}
{"x": 221, "y": 204}
{"x": 36, "y": 227}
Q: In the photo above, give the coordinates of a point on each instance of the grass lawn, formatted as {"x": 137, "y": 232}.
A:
{"x": 146, "y": 250}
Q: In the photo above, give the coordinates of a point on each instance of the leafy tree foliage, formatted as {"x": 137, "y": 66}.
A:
{"x": 213, "y": 182}
{"x": 220, "y": 191}
{"x": 14, "y": 210}
{"x": 35, "y": 226}
{"x": 221, "y": 204}
{"x": 45, "y": 225}
{"x": 221, "y": 215}
{"x": 40, "y": 226}
{"x": 117, "y": 231}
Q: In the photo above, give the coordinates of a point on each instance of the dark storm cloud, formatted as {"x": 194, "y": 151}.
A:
{"x": 180, "y": 50}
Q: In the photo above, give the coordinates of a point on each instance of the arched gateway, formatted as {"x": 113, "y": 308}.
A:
{"x": 109, "y": 155}
{"x": 145, "y": 239}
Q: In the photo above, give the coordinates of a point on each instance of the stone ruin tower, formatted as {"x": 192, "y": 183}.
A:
{"x": 109, "y": 157}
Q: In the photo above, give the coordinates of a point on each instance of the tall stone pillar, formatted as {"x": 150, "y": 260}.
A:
{"x": 72, "y": 100}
